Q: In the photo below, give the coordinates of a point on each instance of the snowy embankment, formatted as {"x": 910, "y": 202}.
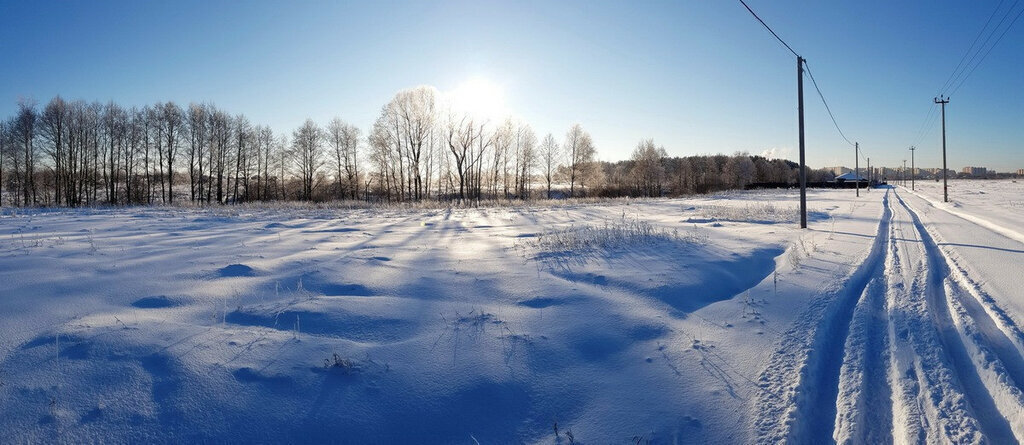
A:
{"x": 657, "y": 320}
{"x": 996, "y": 205}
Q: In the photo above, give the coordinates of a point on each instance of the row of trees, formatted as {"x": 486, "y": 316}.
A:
{"x": 77, "y": 153}
{"x": 650, "y": 172}
{"x": 421, "y": 148}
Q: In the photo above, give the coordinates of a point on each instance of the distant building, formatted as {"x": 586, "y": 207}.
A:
{"x": 1020, "y": 172}
{"x": 938, "y": 172}
{"x": 883, "y": 173}
{"x": 975, "y": 171}
{"x": 850, "y": 177}
{"x": 839, "y": 170}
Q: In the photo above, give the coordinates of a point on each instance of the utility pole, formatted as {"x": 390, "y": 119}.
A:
{"x": 800, "y": 114}
{"x": 869, "y": 174}
{"x": 945, "y": 188}
{"x": 856, "y": 166}
{"x": 912, "y": 148}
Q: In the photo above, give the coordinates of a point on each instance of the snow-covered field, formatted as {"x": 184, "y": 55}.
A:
{"x": 710, "y": 319}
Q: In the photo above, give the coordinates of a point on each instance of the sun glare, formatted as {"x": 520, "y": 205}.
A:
{"x": 479, "y": 97}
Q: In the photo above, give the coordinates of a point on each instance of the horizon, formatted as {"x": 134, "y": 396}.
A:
{"x": 697, "y": 78}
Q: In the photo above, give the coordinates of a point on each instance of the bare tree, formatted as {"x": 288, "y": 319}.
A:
{"x": 4, "y": 144}
{"x": 738, "y": 171}
{"x": 53, "y": 128}
{"x": 504, "y": 140}
{"x": 220, "y": 147}
{"x": 307, "y": 141}
{"x": 25, "y": 134}
{"x": 580, "y": 151}
{"x": 242, "y": 142}
{"x": 526, "y": 159}
{"x": 549, "y": 153}
{"x": 343, "y": 141}
{"x": 647, "y": 172}
{"x": 461, "y": 134}
{"x": 171, "y": 118}
{"x": 115, "y": 126}
{"x": 416, "y": 113}
{"x": 136, "y": 127}
{"x": 197, "y": 138}
{"x": 399, "y": 136}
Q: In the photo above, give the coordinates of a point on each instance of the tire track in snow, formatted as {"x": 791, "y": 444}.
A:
{"x": 807, "y": 412}
{"x": 969, "y": 334}
{"x": 864, "y": 403}
{"x": 819, "y": 390}
{"x": 992, "y": 423}
{"x": 930, "y": 405}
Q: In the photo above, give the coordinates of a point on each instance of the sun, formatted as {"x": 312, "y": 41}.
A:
{"x": 480, "y": 98}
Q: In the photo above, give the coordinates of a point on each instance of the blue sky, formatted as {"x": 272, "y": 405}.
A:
{"x": 697, "y": 76}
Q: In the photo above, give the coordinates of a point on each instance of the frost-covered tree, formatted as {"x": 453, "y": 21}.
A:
{"x": 739, "y": 170}
{"x": 648, "y": 172}
{"x": 579, "y": 149}
{"x": 549, "y": 153}
{"x": 526, "y": 159}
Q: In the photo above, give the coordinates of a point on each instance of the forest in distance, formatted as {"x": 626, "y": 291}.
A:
{"x": 75, "y": 153}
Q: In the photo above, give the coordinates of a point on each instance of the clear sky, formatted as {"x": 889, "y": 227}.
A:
{"x": 697, "y": 76}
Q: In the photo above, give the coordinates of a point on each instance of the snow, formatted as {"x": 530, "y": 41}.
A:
{"x": 704, "y": 319}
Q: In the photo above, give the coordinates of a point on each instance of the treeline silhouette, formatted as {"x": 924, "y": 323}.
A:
{"x": 74, "y": 153}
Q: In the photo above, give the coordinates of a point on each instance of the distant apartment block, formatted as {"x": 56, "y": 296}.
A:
{"x": 938, "y": 171}
{"x": 884, "y": 173}
{"x": 1020, "y": 171}
{"x": 975, "y": 171}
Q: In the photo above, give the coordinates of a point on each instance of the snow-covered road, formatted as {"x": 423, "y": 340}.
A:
{"x": 923, "y": 342}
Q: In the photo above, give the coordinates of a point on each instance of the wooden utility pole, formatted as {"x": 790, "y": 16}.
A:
{"x": 912, "y": 148}
{"x": 945, "y": 187}
{"x": 869, "y": 174}
{"x": 856, "y": 166}
{"x": 800, "y": 114}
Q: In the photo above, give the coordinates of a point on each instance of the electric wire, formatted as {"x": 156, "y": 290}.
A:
{"x": 971, "y": 48}
{"x": 809, "y": 74}
{"x": 929, "y": 120}
{"x": 822, "y": 96}
{"x": 964, "y": 71}
{"x": 964, "y": 80}
{"x": 769, "y": 28}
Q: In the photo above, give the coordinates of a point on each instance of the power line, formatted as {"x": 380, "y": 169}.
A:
{"x": 959, "y": 77}
{"x": 971, "y": 48}
{"x": 822, "y": 96}
{"x": 769, "y": 28}
{"x": 926, "y": 124}
{"x": 987, "y": 52}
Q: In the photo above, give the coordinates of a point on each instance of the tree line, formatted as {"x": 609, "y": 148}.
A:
{"x": 74, "y": 153}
